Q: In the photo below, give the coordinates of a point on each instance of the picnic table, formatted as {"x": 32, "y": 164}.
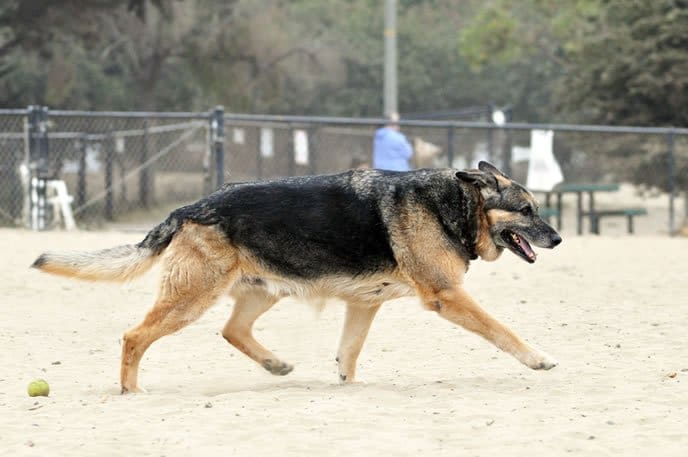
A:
{"x": 579, "y": 189}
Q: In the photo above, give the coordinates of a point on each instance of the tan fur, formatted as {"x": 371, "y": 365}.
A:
{"x": 201, "y": 265}
{"x": 421, "y": 250}
{"x": 455, "y": 305}
{"x": 683, "y": 231}
{"x": 119, "y": 264}
{"x": 198, "y": 268}
{"x": 496, "y": 215}
{"x": 358, "y": 319}
{"x": 485, "y": 246}
{"x": 250, "y": 304}
{"x": 503, "y": 180}
{"x": 437, "y": 274}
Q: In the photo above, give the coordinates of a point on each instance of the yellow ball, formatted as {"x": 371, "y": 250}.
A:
{"x": 39, "y": 388}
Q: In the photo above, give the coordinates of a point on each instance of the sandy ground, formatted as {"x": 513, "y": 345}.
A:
{"x": 612, "y": 310}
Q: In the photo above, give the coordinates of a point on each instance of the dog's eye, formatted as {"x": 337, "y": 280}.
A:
{"x": 526, "y": 211}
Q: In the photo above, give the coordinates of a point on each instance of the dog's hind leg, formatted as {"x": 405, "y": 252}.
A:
{"x": 358, "y": 319}
{"x": 177, "y": 306}
{"x": 250, "y": 305}
{"x": 197, "y": 272}
{"x": 455, "y": 305}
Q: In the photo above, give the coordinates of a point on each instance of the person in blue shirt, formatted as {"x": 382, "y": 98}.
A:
{"x": 391, "y": 149}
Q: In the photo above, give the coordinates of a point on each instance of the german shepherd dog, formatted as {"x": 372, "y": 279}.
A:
{"x": 364, "y": 236}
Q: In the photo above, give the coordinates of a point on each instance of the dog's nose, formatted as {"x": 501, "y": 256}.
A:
{"x": 555, "y": 239}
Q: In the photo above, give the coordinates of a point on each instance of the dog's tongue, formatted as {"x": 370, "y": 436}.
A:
{"x": 525, "y": 247}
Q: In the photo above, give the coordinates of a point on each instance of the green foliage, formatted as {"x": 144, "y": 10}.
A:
{"x": 490, "y": 38}
{"x": 526, "y": 44}
{"x": 634, "y": 69}
{"x": 611, "y": 61}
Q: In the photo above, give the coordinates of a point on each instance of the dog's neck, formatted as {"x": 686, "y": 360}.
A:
{"x": 485, "y": 247}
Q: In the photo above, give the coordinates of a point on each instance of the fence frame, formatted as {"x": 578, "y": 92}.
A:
{"x": 38, "y": 134}
{"x": 669, "y": 132}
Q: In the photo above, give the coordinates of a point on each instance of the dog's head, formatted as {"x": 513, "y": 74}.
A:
{"x": 512, "y": 212}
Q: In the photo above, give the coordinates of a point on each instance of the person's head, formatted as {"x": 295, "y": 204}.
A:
{"x": 392, "y": 120}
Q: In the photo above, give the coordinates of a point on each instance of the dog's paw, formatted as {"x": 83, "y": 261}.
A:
{"x": 348, "y": 380}
{"x": 538, "y": 360}
{"x": 133, "y": 390}
{"x": 277, "y": 367}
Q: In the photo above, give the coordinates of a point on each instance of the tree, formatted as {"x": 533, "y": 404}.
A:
{"x": 526, "y": 44}
{"x": 620, "y": 62}
{"x": 50, "y": 55}
{"x": 634, "y": 70}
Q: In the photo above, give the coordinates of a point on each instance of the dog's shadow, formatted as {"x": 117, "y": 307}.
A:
{"x": 220, "y": 387}
{"x": 507, "y": 384}
{"x": 266, "y": 387}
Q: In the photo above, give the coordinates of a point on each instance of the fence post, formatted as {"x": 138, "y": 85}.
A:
{"x": 291, "y": 153}
{"x": 81, "y": 176}
{"x": 450, "y": 146}
{"x": 259, "y": 153}
{"x": 672, "y": 182}
{"x": 16, "y": 196}
{"x": 217, "y": 127}
{"x": 109, "y": 191}
{"x": 489, "y": 133}
{"x": 490, "y": 144}
{"x": 506, "y": 153}
{"x": 144, "y": 176}
{"x": 313, "y": 149}
{"x": 38, "y": 165}
{"x": 32, "y": 115}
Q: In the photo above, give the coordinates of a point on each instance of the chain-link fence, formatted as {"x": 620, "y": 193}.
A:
{"x": 13, "y": 152}
{"x": 114, "y": 166}
{"x": 134, "y": 167}
{"x": 120, "y": 165}
{"x": 637, "y": 178}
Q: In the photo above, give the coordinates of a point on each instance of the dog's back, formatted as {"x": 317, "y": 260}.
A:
{"x": 312, "y": 226}
{"x": 303, "y": 227}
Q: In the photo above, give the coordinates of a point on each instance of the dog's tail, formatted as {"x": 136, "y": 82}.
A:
{"x": 120, "y": 263}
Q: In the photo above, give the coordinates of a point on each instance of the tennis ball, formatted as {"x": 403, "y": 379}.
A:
{"x": 39, "y": 388}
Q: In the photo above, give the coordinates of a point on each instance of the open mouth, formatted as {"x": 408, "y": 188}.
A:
{"x": 519, "y": 246}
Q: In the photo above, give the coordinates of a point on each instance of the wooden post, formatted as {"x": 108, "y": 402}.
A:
{"x": 81, "y": 174}
{"x": 109, "y": 193}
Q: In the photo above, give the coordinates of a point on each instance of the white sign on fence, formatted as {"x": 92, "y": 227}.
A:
{"x": 119, "y": 144}
{"x": 267, "y": 148}
{"x": 300, "y": 147}
{"x": 543, "y": 169}
{"x": 238, "y": 136}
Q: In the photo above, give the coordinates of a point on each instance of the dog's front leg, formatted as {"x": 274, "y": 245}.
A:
{"x": 455, "y": 305}
{"x": 356, "y": 326}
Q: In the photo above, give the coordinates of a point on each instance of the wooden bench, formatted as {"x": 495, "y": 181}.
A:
{"x": 579, "y": 189}
{"x": 629, "y": 213}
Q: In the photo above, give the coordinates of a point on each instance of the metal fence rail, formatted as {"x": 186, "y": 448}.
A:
{"x": 120, "y": 165}
{"x": 114, "y": 164}
{"x": 649, "y": 163}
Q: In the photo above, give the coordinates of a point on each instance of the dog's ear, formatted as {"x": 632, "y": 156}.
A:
{"x": 487, "y": 167}
{"x": 478, "y": 178}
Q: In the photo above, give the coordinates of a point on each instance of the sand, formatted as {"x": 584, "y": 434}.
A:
{"x": 612, "y": 310}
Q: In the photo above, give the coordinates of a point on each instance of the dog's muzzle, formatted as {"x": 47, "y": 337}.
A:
{"x": 520, "y": 246}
